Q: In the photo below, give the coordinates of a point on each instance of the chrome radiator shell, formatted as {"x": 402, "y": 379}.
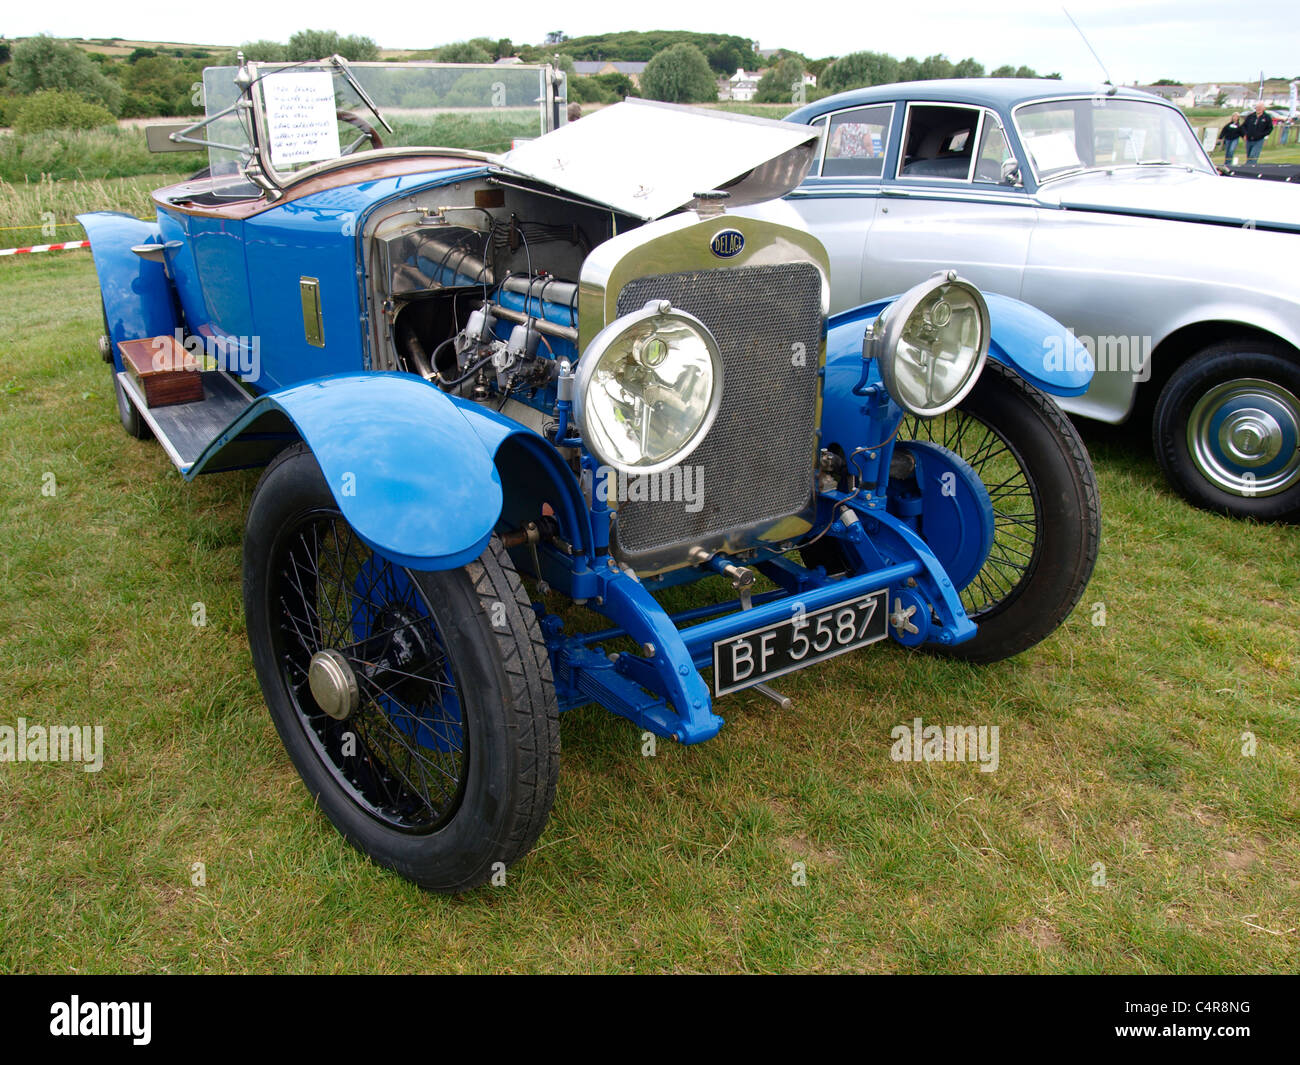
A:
{"x": 766, "y": 308}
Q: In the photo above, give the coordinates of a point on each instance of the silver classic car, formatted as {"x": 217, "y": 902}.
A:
{"x": 1098, "y": 205}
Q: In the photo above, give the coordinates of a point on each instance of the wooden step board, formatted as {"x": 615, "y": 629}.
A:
{"x": 164, "y": 373}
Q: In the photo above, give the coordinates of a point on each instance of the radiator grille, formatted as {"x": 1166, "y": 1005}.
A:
{"x": 757, "y": 460}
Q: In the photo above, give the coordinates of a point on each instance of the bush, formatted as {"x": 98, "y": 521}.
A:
{"x": 857, "y": 69}
{"x": 590, "y": 91}
{"x": 679, "y": 74}
{"x": 307, "y": 45}
{"x": 619, "y": 84}
{"x": 463, "y": 52}
{"x": 9, "y": 108}
{"x": 50, "y": 109}
{"x": 783, "y": 84}
{"x": 44, "y": 63}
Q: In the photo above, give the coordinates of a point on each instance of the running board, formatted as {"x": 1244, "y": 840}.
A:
{"x": 185, "y": 429}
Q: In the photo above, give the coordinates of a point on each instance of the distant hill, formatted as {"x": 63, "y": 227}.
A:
{"x": 118, "y": 46}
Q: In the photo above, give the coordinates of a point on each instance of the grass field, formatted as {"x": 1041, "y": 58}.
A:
{"x": 1124, "y": 829}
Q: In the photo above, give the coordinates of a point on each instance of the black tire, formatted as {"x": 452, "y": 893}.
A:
{"x": 455, "y": 733}
{"x": 131, "y": 420}
{"x": 134, "y": 425}
{"x": 1254, "y": 471}
{"x": 1047, "y": 518}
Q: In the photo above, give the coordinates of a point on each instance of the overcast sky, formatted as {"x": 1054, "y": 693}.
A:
{"x": 1193, "y": 40}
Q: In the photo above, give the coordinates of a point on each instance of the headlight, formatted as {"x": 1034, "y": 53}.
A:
{"x": 931, "y": 343}
{"x": 648, "y": 388}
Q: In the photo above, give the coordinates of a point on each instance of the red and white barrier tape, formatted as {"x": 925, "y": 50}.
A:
{"x": 67, "y": 245}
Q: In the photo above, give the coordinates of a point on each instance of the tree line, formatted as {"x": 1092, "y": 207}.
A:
{"x": 81, "y": 89}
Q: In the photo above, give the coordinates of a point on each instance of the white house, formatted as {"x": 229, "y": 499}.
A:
{"x": 743, "y": 85}
{"x": 1180, "y": 95}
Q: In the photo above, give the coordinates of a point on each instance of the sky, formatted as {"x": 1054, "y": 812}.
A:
{"x": 1138, "y": 40}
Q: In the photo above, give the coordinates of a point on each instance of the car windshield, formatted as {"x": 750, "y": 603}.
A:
{"x": 311, "y": 114}
{"x": 1067, "y": 136}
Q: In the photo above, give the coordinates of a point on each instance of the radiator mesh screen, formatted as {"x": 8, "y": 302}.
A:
{"x": 756, "y": 463}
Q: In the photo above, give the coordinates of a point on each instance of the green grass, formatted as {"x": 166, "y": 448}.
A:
{"x": 84, "y": 155}
{"x": 1120, "y": 744}
{"x": 44, "y": 211}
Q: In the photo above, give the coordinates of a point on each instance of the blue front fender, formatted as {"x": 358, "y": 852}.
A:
{"x": 1038, "y": 347}
{"x": 138, "y": 299}
{"x": 413, "y": 470}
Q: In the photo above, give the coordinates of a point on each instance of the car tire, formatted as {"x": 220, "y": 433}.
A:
{"x": 132, "y": 422}
{"x": 444, "y": 767}
{"x": 1017, "y": 437}
{"x": 1226, "y": 430}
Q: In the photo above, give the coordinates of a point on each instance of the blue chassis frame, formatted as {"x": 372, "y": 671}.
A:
{"x": 662, "y": 690}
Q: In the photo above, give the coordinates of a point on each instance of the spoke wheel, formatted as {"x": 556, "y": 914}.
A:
{"x": 1046, "y": 516}
{"x": 349, "y": 620}
{"x": 1017, "y": 508}
{"x": 418, "y": 707}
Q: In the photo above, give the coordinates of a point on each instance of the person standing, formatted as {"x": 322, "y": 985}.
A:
{"x": 1256, "y": 127}
{"x": 1232, "y": 133}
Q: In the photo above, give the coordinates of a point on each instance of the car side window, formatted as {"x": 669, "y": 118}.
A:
{"x": 939, "y": 142}
{"x": 820, "y": 126}
{"x": 856, "y": 142}
{"x": 994, "y": 152}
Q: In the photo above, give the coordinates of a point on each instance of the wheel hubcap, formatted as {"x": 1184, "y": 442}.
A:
{"x": 1244, "y": 437}
{"x": 333, "y": 684}
{"x": 363, "y": 664}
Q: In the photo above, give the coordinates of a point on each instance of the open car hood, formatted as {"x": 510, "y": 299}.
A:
{"x": 648, "y": 159}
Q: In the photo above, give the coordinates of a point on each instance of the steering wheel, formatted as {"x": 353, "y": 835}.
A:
{"x": 368, "y": 131}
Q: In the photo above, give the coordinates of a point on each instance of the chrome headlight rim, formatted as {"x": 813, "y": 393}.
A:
{"x": 594, "y": 353}
{"x": 882, "y": 339}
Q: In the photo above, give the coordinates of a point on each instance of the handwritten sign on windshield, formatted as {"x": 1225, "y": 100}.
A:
{"x": 300, "y": 117}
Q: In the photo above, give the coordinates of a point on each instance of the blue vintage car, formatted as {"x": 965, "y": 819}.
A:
{"x": 504, "y": 403}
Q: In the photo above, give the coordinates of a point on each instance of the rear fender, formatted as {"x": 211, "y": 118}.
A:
{"x": 417, "y": 473}
{"x": 138, "y": 298}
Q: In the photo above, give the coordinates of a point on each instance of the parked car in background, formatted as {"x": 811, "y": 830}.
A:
{"x": 505, "y": 402}
{"x": 1098, "y": 205}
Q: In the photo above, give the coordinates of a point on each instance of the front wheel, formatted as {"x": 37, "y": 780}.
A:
{"x": 1227, "y": 431}
{"x": 418, "y": 707}
{"x": 1046, "y": 515}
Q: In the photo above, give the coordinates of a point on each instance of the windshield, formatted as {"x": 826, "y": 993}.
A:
{"x": 310, "y": 114}
{"x": 1067, "y": 136}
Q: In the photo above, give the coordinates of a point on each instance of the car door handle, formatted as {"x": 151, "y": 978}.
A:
{"x": 155, "y": 253}
{"x": 152, "y": 252}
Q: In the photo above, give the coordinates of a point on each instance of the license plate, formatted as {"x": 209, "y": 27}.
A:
{"x": 761, "y": 654}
